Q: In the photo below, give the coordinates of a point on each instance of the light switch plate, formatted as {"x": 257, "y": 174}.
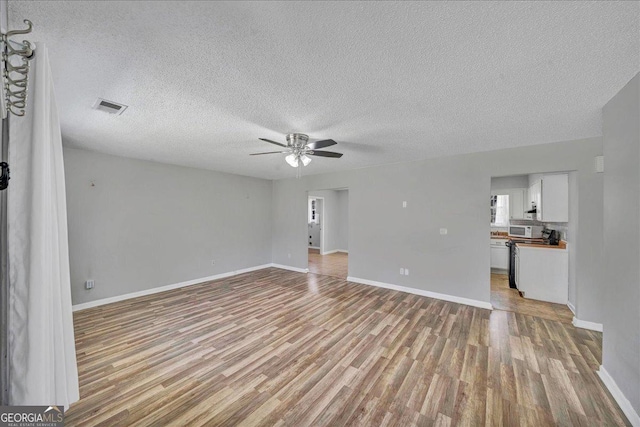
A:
{"x": 443, "y": 231}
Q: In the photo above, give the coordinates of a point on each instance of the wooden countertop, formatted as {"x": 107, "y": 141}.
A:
{"x": 561, "y": 245}
{"x": 503, "y": 235}
{"x": 531, "y": 243}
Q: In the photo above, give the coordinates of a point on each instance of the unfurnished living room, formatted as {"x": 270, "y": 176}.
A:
{"x": 318, "y": 213}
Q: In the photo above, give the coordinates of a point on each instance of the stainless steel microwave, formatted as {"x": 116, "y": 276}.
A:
{"x": 526, "y": 231}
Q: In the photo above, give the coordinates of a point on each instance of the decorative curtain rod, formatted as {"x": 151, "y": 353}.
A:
{"x": 15, "y": 71}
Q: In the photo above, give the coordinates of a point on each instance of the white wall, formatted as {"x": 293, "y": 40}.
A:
{"x": 509, "y": 182}
{"x": 342, "y": 240}
{"x": 571, "y": 235}
{"x": 450, "y": 192}
{"x": 143, "y": 224}
{"x": 621, "y": 338}
{"x": 534, "y": 177}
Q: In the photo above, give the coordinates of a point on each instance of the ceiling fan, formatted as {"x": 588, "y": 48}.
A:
{"x": 298, "y": 149}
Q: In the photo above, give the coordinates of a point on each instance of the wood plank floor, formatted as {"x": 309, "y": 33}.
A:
{"x": 335, "y": 264}
{"x": 505, "y": 298}
{"x": 274, "y": 347}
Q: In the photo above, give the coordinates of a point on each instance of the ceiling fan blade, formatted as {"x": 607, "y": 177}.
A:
{"x": 321, "y": 144}
{"x": 272, "y": 142}
{"x": 268, "y": 152}
{"x": 325, "y": 154}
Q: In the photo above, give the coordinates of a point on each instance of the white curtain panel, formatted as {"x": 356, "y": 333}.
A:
{"x": 42, "y": 349}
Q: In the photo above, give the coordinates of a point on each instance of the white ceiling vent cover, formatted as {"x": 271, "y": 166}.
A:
{"x": 109, "y": 106}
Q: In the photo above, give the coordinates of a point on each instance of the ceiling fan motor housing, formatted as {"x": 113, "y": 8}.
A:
{"x": 298, "y": 149}
{"x": 297, "y": 140}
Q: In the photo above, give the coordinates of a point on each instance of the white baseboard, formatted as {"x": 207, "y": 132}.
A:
{"x": 620, "y": 398}
{"x": 290, "y": 268}
{"x": 586, "y": 325}
{"x": 444, "y": 297}
{"x": 314, "y": 247}
{"x": 250, "y": 269}
{"x": 583, "y": 323}
{"x": 152, "y": 291}
{"x": 334, "y": 251}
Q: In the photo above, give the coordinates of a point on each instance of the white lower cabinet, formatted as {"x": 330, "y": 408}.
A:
{"x": 543, "y": 274}
{"x": 499, "y": 254}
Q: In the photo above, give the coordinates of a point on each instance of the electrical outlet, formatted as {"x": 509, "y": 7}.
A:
{"x": 443, "y": 231}
{"x": 402, "y": 271}
{"x": 89, "y": 284}
{"x": 404, "y": 204}
{"x": 406, "y": 271}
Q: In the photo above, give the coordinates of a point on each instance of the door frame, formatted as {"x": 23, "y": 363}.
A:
{"x": 322, "y": 220}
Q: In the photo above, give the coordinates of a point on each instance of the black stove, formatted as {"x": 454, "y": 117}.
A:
{"x": 511, "y": 244}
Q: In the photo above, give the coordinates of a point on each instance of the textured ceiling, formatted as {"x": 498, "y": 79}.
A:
{"x": 388, "y": 81}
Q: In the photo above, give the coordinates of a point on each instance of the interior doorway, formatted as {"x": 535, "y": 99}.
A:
{"x": 528, "y": 229}
{"x": 315, "y": 222}
{"x": 327, "y": 232}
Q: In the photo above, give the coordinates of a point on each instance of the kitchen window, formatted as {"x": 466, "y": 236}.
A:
{"x": 500, "y": 210}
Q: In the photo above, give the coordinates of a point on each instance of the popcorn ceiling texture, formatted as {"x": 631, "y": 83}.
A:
{"x": 388, "y": 81}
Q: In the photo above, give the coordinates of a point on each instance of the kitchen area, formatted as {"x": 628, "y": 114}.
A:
{"x": 531, "y": 219}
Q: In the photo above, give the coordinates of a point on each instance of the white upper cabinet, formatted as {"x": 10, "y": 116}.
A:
{"x": 554, "y": 198}
{"x": 517, "y": 203}
{"x": 535, "y": 195}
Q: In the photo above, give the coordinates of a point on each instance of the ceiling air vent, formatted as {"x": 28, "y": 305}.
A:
{"x": 109, "y": 106}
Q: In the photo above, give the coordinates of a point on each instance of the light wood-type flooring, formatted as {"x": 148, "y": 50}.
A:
{"x": 335, "y": 264}
{"x": 505, "y": 298}
{"x": 274, "y": 347}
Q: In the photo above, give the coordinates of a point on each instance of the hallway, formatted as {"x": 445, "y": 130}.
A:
{"x": 335, "y": 264}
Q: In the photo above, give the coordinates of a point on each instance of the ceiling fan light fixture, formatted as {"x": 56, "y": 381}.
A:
{"x": 299, "y": 150}
{"x": 292, "y": 159}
